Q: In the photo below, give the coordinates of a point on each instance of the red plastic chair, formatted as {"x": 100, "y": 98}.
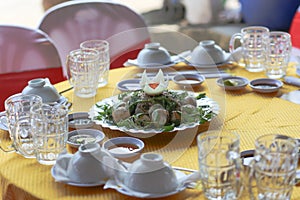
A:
{"x": 295, "y": 29}
{"x": 73, "y": 22}
{"x": 25, "y": 54}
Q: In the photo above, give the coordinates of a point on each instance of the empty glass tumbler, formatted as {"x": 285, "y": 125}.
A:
{"x": 274, "y": 167}
{"x": 254, "y": 42}
{"x": 50, "y": 128}
{"x": 220, "y": 165}
{"x": 278, "y": 54}
{"x": 102, "y": 46}
{"x": 83, "y": 72}
{"x": 18, "y": 115}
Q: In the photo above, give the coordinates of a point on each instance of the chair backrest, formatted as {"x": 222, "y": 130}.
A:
{"x": 295, "y": 29}
{"x": 26, "y": 54}
{"x": 25, "y": 49}
{"x": 73, "y": 22}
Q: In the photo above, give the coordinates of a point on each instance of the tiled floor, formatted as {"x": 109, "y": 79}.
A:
{"x": 29, "y": 12}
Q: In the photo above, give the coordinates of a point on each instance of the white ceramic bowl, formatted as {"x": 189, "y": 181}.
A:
{"x": 43, "y": 88}
{"x": 150, "y": 174}
{"x": 153, "y": 54}
{"x": 188, "y": 79}
{"x": 124, "y": 147}
{"x": 208, "y": 53}
{"x": 265, "y": 85}
{"x": 84, "y": 136}
{"x": 87, "y": 165}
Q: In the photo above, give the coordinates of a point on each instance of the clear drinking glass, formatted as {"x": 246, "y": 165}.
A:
{"x": 83, "y": 72}
{"x": 220, "y": 165}
{"x": 278, "y": 54}
{"x": 274, "y": 167}
{"x": 17, "y": 109}
{"x": 50, "y": 128}
{"x": 254, "y": 42}
{"x": 102, "y": 46}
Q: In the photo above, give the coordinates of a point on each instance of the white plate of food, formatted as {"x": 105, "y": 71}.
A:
{"x": 137, "y": 119}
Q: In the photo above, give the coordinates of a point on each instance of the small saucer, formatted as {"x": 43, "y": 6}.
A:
{"x": 84, "y": 136}
{"x": 232, "y": 82}
{"x": 129, "y": 85}
{"x": 265, "y": 85}
{"x": 80, "y": 120}
{"x": 188, "y": 79}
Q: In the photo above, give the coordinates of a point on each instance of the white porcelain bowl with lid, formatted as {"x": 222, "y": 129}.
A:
{"x": 43, "y": 88}
{"x": 151, "y": 174}
{"x": 153, "y": 54}
{"x": 87, "y": 165}
{"x": 208, "y": 53}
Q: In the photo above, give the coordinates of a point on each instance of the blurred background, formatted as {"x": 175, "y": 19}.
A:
{"x": 198, "y": 19}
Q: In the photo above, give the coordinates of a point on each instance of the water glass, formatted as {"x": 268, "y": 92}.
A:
{"x": 254, "y": 42}
{"x": 102, "y": 46}
{"x": 274, "y": 167}
{"x": 50, "y": 128}
{"x": 220, "y": 164}
{"x": 83, "y": 72}
{"x": 278, "y": 54}
{"x": 17, "y": 109}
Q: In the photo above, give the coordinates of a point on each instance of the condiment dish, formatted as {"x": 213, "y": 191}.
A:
{"x": 232, "y": 82}
{"x": 84, "y": 136}
{"x": 124, "y": 147}
{"x": 80, "y": 120}
{"x": 188, "y": 79}
{"x": 265, "y": 85}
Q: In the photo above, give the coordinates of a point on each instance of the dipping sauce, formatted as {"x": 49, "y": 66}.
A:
{"x": 265, "y": 86}
{"x": 123, "y": 148}
{"x": 82, "y": 139}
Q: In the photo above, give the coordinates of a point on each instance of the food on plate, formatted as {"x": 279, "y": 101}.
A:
{"x": 155, "y": 107}
{"x": 138, "y": 110}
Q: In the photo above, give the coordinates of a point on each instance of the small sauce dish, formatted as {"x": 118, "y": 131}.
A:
{"x": 188, "y": 79}
{"x": 124, "y": 148}
{"x": 80, "y": 120}
{"x": 80, "y": 137}
{"x": 232, "y": 82}
{"x": 265, "y": 85}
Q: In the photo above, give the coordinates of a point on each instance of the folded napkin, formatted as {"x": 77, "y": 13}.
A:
{"x": 61, "y": 167}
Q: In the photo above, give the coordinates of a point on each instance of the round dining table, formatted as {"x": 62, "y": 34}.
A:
{"x": 246, "y": 112}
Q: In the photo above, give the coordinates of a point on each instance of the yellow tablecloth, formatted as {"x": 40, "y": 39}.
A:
{"x": 248, "y": 113}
